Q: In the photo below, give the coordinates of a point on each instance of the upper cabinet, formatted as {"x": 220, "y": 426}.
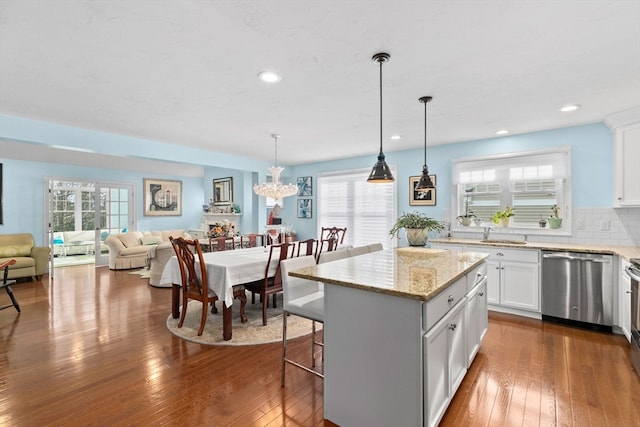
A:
{"x": 625, "y": 126}
{"x": 626, "y": 167}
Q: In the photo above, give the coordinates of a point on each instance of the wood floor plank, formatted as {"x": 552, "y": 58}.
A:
{"x": 91, "y": 348}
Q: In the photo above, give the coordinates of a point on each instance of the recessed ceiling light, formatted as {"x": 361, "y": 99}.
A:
{"x": 395, "y": 137}
{"x": 502, "y": 132}
{"x": 269, "y": 77}
{"x": 571, "y": 107}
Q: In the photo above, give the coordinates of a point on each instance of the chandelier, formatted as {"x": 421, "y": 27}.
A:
{"x": 275, "y": 189}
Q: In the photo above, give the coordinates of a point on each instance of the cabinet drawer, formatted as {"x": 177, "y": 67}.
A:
{"x": 435, "y": 309}
{"x": 497, "y": 254}
{"x": 476, "y": 275}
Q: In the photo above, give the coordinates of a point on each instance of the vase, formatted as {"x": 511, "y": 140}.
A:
{"x": 555, "y": 222}
{"x": 505, "y": 221}
{"x": 417, "y": 236}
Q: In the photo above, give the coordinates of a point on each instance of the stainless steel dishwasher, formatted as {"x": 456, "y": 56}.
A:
{"x": 577, "y": 288}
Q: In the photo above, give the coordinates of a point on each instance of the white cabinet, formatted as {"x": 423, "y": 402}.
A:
{"x": 477, "y": 319}
{"x": 513, "y": 278}
{"x": 445, "y": 362}
{"x": 627, "y": 172}
{"x": 624, "y": 300}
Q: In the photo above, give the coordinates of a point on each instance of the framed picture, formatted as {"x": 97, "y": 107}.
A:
{"x": 162, "y": 197}
{"x": 223, "y": 191}
{"x": 304, "y": 186}
{"x": 421, "y": 198}
{"x": 305, "y": 209}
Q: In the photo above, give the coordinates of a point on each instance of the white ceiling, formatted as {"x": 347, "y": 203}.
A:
{"x": 184, "y": 71}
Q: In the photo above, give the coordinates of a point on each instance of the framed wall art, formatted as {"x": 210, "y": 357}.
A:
{"x": 304, "y": 186}
{"x": 162, "y": 197}
{"x": 305, "y": 209}
{"x": 421, "y": 198}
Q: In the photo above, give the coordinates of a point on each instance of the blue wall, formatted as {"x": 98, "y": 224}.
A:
{"x": 591, "y": 154}
{"x": 23, "y": 198}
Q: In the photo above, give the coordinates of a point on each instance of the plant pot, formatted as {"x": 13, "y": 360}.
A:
{"x": 542, "y": 223}
{"x": 555, "y": 222}
{"x": 417, "y": 236}
{"x": 465, "y": 220}
{"x": 505, "y": 221}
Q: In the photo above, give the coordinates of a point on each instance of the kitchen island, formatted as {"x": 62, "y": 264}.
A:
{"x": 401, "y": 328}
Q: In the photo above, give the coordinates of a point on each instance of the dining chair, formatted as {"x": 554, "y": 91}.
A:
{"x": 375, "y": 247}
{"x": 272, "y": 282}
{"x": 310, "y": 247}
{"x": 6, "y": 284}
{"x": 333, "y": 256}
{"x": 333, "y": 233}
{"x": 303, "y": 298}
{"x": 195, "y": 283}
{"x": 358, "y": 250}
{"x": 221, "y": 243}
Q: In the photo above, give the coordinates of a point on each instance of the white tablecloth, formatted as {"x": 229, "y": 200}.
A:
{"x": 226, "y": 269}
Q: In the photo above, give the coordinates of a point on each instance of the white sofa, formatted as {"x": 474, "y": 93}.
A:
{"x": 75, "y": 242}
{"x": 137, "y": 249}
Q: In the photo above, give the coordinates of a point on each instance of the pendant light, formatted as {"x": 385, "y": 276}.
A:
{"x": 380, "y": 173}
{"x": 425, "y": 182}
{"x": 275, "y": 189}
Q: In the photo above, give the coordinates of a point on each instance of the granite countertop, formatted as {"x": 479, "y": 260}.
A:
{"x": 416, "y": 273}
{"x": 626, "y": 252}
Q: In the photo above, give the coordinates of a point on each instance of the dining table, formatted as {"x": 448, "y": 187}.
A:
{"x": 225, "y": 269}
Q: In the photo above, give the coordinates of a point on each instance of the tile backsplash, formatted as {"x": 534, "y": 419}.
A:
{"x": 601, "y": 226}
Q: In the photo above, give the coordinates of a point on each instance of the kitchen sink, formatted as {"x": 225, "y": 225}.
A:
{"x": 504, "y": 242}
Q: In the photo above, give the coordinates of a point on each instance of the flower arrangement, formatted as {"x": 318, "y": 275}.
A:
{"x": 503, "y": 215}
{"x": 221, "y": 228}
{"x": 555, "y": 209}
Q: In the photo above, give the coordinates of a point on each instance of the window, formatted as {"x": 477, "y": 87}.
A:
{"x": 529, "y": 182}
{"x": 346, "y": 199}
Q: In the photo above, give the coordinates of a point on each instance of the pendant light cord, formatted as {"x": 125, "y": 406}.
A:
{"x": 380, "y": 62}
{"x": 425, "y": 133}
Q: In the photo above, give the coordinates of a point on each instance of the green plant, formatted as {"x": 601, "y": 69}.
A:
{"x": 508, "y": 212}
{"x": 555, "y": 209}
{"x": 468, "y": 213}
{"x": 415, "y": 220}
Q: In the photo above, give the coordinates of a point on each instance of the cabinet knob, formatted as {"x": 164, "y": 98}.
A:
{"x": 453, "y": 326}
{"x": 574, "y": 308}
{"x": 499, "y": 254}
{"x": 450, "y": 299}
{"x": 481, "y": 294}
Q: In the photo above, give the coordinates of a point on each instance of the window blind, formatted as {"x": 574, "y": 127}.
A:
{"x": 346, "y": 199}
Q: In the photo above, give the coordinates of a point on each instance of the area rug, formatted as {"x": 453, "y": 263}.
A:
{"x": 144, "y": 273}
{"x": 250, "y": 333}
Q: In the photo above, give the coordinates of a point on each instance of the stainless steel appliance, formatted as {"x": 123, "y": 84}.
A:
{"x": 577, "y": 288}
{"x": 633, "y": 271}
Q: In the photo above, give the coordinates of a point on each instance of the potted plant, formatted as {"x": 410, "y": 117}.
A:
{"x": 554, "y": 220}
{"x": 503, "y": 216}
{"x": 468, "y": 216}
{"x": 417, "y": 226}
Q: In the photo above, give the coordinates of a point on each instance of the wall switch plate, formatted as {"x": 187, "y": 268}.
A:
{"x": 604, "y": 225}
{"x": 580, "y": 224}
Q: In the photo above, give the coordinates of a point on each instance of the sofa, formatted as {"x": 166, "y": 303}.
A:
{"x": 31, "y": 260}
{"x": 75, "y": 242}
{"x": 137, "y": 249}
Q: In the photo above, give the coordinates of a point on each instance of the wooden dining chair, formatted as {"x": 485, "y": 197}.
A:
{"x": 333, "y": 233}
{"x": 221, "y": 243}
{"x": 307, "y": 247}
{"x": 195, "y": 281}
{"x": 6, "y": 284}
{"x": 272, "y": 282}
{"x": 251, "y": 240}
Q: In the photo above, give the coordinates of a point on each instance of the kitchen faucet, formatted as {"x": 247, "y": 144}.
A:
{"x": 487, "y": 230}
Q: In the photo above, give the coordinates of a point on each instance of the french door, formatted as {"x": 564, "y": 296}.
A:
{"x": 86, "y": 213}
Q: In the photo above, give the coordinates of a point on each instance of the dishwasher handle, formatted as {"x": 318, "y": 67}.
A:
{"x": 575, "y": 258}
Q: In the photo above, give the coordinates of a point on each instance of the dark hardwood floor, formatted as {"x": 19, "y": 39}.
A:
{"x": 91, "y": 348}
